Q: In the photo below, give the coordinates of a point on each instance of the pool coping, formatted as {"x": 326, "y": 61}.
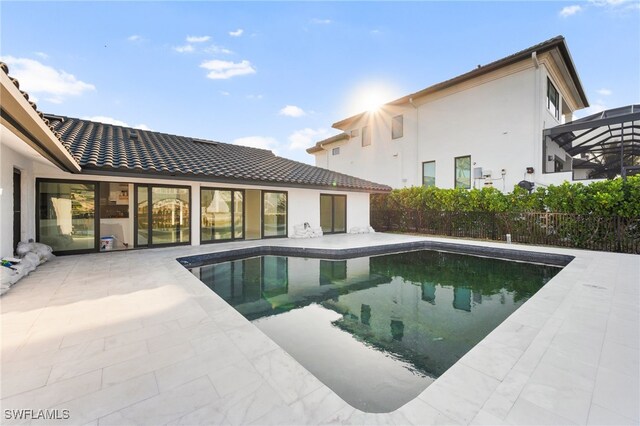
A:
{"x": 553, "y": 259}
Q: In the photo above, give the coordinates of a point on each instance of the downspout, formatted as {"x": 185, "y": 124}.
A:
{"x": 419, "y": 172}
{"x": 538, "y": 127}
{"x": 327, "y": 154}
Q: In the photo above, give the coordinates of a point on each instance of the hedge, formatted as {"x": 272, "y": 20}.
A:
{"x": 607, "y": 198}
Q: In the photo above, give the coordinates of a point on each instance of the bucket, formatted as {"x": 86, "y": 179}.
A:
{"x": 106, "y": 243}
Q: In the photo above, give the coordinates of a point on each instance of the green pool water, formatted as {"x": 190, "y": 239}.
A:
{"x": 377, "y": 330}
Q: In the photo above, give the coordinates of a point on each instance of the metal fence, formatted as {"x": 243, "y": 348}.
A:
{"x": 616, "y": 234}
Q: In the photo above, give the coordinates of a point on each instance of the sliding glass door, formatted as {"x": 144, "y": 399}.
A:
{"x": 333, "y": 213}
{"x": 67, "y": 218}
{"x": 274, "y": 214}
{"x": 221, "y": 214}
{"x": 163, "y": 215}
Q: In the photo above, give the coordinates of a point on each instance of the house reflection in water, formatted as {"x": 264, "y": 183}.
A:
{"x": 388, "y": 302}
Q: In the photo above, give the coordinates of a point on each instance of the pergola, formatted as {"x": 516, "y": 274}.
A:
{"x": 607, "y": 143}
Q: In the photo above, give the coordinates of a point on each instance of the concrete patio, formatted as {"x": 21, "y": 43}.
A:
{"x": 134, "y": 338}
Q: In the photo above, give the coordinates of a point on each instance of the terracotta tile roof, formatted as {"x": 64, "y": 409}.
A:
{"x": 117, "y": 149}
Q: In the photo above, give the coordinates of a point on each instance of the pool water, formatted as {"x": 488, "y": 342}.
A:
{"x": 377, "y": 330}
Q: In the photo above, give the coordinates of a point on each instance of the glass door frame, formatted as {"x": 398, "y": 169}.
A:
{"x": 96, "y": 212}
{"x": 333, "y": 213}
{"x": 233, "y": 210}
{"x": 286, "y": 218}
{"x": 150, "y": 187}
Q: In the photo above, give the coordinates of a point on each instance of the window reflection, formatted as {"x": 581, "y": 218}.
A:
{"x": 170, "y": 215}
{"x": 67, "y": 215}
{"x": 221, "y": 214}
{"x": 274, "y": 214}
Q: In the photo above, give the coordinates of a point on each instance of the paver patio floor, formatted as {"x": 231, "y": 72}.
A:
{"x": 134, "y": 338}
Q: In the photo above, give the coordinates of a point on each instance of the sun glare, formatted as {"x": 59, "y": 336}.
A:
{"x": 369, "y": 97}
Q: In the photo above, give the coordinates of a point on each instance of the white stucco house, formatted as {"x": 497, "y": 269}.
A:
{"x": 482, "y": 128}
{"x": 82, "y": 186}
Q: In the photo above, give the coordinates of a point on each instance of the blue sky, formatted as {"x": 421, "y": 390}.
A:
{"x": 277, "y": 75}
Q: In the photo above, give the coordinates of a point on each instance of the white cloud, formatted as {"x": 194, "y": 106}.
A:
{"x": 106, "y": 120}
{"x": 321, "y": 21}
{"x": 36, "y": 77}
{"x": 570, "y": 10}
{"x": 263, "y": 142}
{"x": 41, "y": 54}
{"x": 611, "y": 3}
{"x": 292, "y": 111}
{"x": 187, "y": 48}
{"x": 217, "y": 49}
{"x": 604, "y": 92}
{"x": 134, "y": 37}
{"x": 198, "y": 39}
{"x": 258, "y": 97}
{"x": 222, "y": 70}
{"x": 224, "y": 93}
{"x": 236, "y": 33}
{"x": 303, "y": 139}
{"x": 620, "y": 6}
{"x": 54, "y": 100}
{"x": 114, "y": 122}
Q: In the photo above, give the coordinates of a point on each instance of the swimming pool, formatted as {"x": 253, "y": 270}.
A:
{"x": 376, "y": 329}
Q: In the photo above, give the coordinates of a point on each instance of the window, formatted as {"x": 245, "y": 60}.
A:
{"x": 274, "y": 214}
{"x": 221, "y": 214}
{"x": 553, "y": 99}
{"x": 335, "y": 151}
{"x": 355, "y": 133}
{"x": 397, "y": 127}
{"x": 463, "y": 172}
{"x": 366, "y": 136}
{"x": 429, "y": 174}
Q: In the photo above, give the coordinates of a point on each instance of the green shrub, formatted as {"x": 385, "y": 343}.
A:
{"x": 602, "y": 198}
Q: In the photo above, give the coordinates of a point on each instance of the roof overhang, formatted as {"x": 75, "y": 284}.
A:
{"x": 21, "y": 118}
{"x": 145, "y": 174}
{"x": 557, "y": 44}
{"x": 319, "y": 146}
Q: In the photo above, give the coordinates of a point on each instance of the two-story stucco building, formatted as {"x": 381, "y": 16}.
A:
{"x": 482, "y": 128}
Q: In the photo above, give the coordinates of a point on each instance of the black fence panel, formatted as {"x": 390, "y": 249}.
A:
{"x": 614, "y": 233}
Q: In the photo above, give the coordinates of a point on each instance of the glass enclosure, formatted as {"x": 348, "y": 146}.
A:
{"x": 221, "y": 214}
{"x": 274, "y": 214}
{"x": 67, "y": 215}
